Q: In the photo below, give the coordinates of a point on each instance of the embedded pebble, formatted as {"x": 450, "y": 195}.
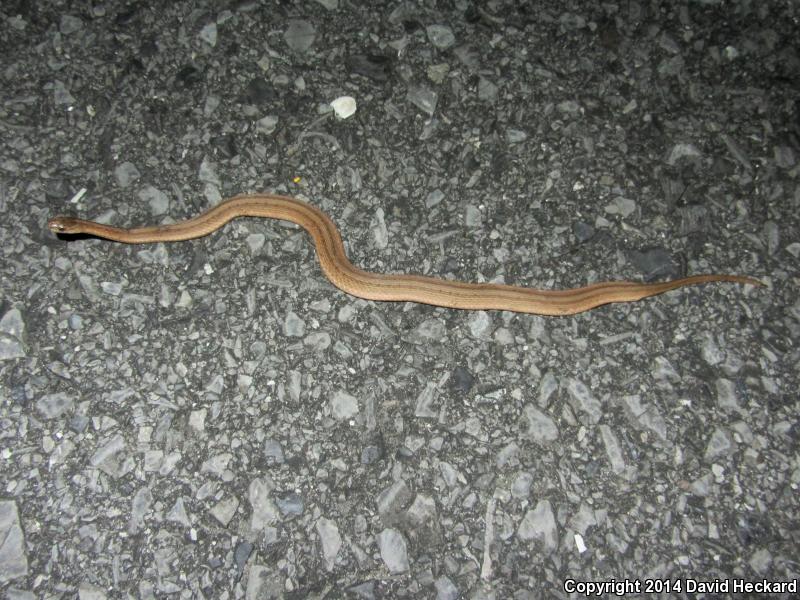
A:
{"x": 61, "y": 452}
{"x": 737, "y": 152}
{"x": 446, "y": 589}
{"x": 380, "y": 233}
{"x": 522, "y": 485}
{"x": 12, "y": 333}
{"x": 487, "y": 90}
{"x": 503, "y": 336}
{"x": 652, "y": 263}
{"x": 645, "y": 416}
{"x": 785, "y": 157}
{"x": 75, "y": 322}
{"x": 318, "y": 341}
{"x": 441, "y": 36}
{"x": 264, "y": 510}
{"x": 539, "y": 526}
{"x": 207, "y": 172}
{"x": 516, "y": 136}
{"x": 437, "y": 73}
{"x": 508, "y": 456}
{"x": 425, "y": 400}
{"x": 423, "y": 98}
{"x": 112, "y": 288}
{"x": 87, "y": 591}
{"x": 537, "y": 426}
{"x": 547, "y": 387}
{"x": 694, "y": 218}
{"x": 621, "y": 206}
{"x": 241, "y": 554}
{"x": 346, "y": 313}
{"x": 293, "y": 326}
{"x": 259, "y": 92}
{"x": 330, "y": 541}
{"x": 267, "y": 124}
{"x": 158, "y": 200}
{"x": 211, "y": 104}
{"x": 430, "y": 330}
{"x": 224, "y": 510}
{"x": 197, "y": 419}
{"x": 290, "y": 505}
{"x": 344, "y": 106}
{"x": 52, "y": 406}
{"x": 394, "y": 551}
{"x": 140, "y": 506}
{"x": 480, "y": 324}
{"x": 299, "y": 35}
{"x": 209, "y": 34}
{"x": 668, "y": 43}
{"x": 392, "y": 500}
{"x": 294, "y": 385}
{"x": 683, "y": 151}
{"x": 263, "y": 583}
{"x": 61, "y": 95}
{"x": 126, "y": 173}
{"x": 461, "y": 380}
{"x": 709, "y": 349}
{"x": 322, "y": 306}
{"x": 13, "y": 556}
{"x": 472, "y": 217}
{"x": 468, "y": 56}
{"x": 343, "y": 406}
{"x": 184, "y": 300}
{"x": 216, "y": 384}
{"x": 761, "y": 561}
{"x": 273, "y": 452}
{"x": 449, "y": 474}
{"x": 584, "y": 400}
{"x": 613, "y": 449}
{"x": 434, "y": 198}
{"x": 329, "y": 4}
{"x": 772, "y": 233}
{"x": 726, "y": 394}
{"x": 719, "y": 444}
{"x": 169, "y": 462}
{"x": 255, "y": 241}
{"x": 107, "y": 451}
{"x": 569, "y": 108}
{"x": 217, "y": 464}
{"x": 572, "y": 20}
{"x": 70, "y": 24}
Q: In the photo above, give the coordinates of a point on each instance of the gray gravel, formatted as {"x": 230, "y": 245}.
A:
{"x": 213, "y": 419}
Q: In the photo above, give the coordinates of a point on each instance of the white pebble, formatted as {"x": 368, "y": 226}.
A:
{"x": 344, "y": 106}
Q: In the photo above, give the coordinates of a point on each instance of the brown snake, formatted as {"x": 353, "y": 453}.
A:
{"x": 379, "y": 286}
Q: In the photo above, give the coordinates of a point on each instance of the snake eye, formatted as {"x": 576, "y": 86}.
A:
{"x": 57, "y": 225}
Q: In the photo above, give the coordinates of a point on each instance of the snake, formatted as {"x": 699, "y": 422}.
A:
{"x": 382, "y": 286}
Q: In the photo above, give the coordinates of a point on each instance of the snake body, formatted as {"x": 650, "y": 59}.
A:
{"x": 379, "y": 286}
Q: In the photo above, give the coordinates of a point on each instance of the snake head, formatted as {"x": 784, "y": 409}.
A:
{"x": 63, "y": 225}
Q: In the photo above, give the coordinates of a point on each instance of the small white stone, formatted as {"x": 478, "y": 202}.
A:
{"x": 209, "y": 34}
{"x": 267, "y": 124}
{"x": 731, "y": 53}
{"x": 344, "y": 106}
